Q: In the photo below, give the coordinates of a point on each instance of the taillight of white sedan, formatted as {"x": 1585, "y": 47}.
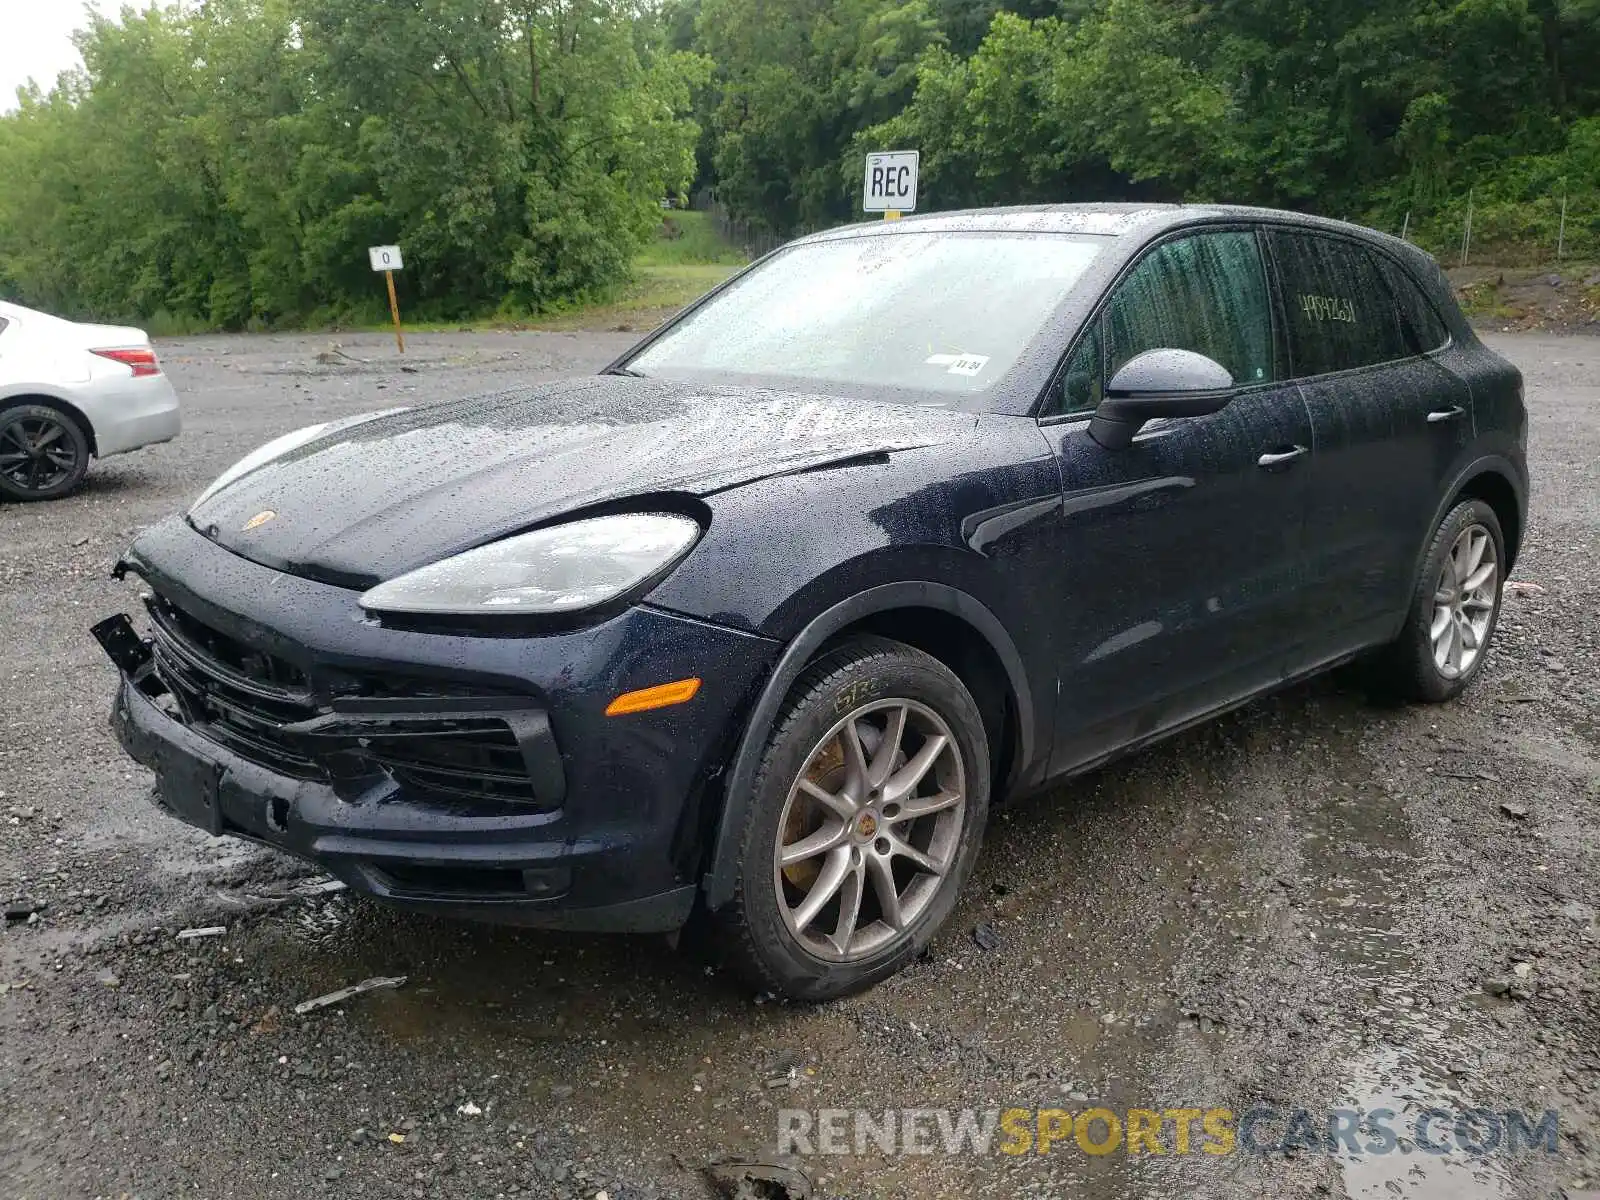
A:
{"x": 70, "y": 392}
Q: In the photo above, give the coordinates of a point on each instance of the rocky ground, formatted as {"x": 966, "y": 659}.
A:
{"x": 1559, "y": 298}
{"x": 1315, "y": 902}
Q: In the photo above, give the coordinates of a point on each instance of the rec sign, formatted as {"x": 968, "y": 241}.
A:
{"x": 891, "y": 182}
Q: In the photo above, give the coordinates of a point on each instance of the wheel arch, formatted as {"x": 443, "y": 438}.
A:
{"x": 65, "y": 407}
{"x": 1492, "y": 479}
{"x": 936, "y": 618}
{"x": 1496, "y": 489}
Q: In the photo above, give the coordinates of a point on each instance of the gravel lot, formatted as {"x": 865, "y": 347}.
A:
{"x": 1315, "y": 901}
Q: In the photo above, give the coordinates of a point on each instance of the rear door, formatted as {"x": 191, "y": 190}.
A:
{"x": 1180, "y": 565}
{"x": 1388, "y": 418}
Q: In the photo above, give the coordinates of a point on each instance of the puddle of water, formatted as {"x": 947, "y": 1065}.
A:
{"x": 1401, "y": 1080}
{"x": 1357, "y": 844}
{"x": 1099, "y": 890}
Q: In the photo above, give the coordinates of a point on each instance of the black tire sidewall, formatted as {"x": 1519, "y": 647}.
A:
{"x": 862, "y": 672}
{"x": 1422, "y": 675}
{"x": 80, "y": 440}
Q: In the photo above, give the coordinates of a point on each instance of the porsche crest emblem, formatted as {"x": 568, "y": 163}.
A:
{"x": 257, "y": 521}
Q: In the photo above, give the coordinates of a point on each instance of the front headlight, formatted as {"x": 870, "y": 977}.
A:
{"x": 562, "y": 569}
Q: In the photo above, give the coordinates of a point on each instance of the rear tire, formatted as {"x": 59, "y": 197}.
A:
{"x": 44, "y": 453}
{"x": 855, "y": 846}
{"x": 1454, "y": 609}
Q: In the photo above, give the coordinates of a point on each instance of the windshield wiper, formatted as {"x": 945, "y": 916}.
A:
{"x": 631, "y": 374}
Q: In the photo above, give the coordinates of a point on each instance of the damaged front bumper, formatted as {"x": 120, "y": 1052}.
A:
{"x": 469, "y": 775}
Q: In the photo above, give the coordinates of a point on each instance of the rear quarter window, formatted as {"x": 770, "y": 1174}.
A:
{"x": 1338, "y": 307}
{"x": 1424, "y": 328}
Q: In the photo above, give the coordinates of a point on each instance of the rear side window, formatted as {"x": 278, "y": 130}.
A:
{"x": 1425, "y": 330}
{"x": 1206, "y": 293}
{"x": 1339, "y": 310}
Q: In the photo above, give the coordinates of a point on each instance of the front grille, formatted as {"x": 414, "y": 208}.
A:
{"x": 230, "y": 654}
{"x": 238, "y": 697}
{"x": 245, "y": 700}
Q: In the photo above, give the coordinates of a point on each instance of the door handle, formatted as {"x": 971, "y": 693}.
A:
{"x": 1281, "y": 458}
{"x": 1449, "y": 414}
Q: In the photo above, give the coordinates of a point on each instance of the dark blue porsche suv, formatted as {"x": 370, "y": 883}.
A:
{"x": 758, "y": 621}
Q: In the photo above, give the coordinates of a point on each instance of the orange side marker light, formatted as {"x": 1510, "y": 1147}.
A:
{"x": 663, "y": 695}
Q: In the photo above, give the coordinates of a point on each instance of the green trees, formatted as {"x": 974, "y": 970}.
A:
{"x": 226, "y": 163}
{"x": 1348, "y": 107}
{"x": 519, "y": 149}
{"x": 795, "y": 81}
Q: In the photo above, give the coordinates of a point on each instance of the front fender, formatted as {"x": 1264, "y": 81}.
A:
{"x": 968, "y": 529}
{"x": 723, "y": 868}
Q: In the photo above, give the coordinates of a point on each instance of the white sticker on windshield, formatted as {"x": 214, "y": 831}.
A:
{"x": 958, "y": 364}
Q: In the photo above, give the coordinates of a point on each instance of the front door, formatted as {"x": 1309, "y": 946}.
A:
{"x": 1180, "y": 566}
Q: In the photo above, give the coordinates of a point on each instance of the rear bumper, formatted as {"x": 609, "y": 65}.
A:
{"x": 615, "y": 839}
{"x": 133, "y": 413}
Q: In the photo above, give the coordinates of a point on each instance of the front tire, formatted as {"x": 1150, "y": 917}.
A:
{"x": 867, "y": 812}
{"x": 1454, "y": 609}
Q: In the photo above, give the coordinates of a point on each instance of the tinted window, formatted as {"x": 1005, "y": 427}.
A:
{"x": 1339, "y": 309}
{"x": 1424, "y": 329}
{"x": 1206, "y": 293}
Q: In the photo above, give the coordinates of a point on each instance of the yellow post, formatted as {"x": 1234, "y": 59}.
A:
{"x": 891, "y": 215}
{"x": 394, "y": 308}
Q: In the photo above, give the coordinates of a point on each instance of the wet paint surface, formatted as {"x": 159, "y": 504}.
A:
{"x": 385, "y": 496}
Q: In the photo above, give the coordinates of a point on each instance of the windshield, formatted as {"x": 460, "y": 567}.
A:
{"x": 940, "y": 316}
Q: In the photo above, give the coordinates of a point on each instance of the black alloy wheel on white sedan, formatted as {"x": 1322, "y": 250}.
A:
{"x": 43, "y": 452}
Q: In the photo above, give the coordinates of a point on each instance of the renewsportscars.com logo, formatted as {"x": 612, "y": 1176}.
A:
{"x": 1471, "y": 1132}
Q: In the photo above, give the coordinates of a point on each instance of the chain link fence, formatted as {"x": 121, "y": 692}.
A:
{"x": 752, "y": 240}
{"x": 1557, "y": 226}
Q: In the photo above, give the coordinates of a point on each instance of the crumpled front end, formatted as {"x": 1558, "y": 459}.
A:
{"x": 474, "y": 774}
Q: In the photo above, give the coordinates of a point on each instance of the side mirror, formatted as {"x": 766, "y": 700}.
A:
{"x": 1158, "y": 383}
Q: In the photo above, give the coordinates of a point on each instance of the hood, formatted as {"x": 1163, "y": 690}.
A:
{"x": 368, "y": 501}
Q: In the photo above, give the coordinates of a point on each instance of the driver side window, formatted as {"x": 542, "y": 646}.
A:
{"x": 1207, "y": 293}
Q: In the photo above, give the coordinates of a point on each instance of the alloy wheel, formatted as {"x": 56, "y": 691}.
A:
{"x": 870, "y": 831}
{"x": 36, "y": 451}
{"x": 1464, "y": 602}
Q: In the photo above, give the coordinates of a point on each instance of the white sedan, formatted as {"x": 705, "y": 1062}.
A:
{"x": 71, "y": 392}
